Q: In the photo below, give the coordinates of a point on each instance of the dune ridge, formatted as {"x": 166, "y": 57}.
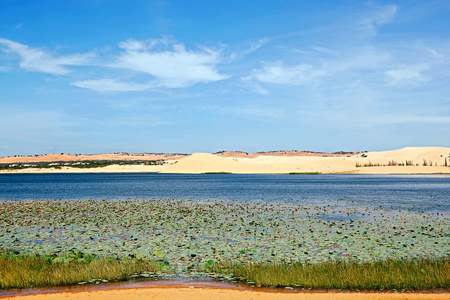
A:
{"x": 409, "y": 160}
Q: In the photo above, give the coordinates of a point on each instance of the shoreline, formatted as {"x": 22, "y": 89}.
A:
{"x": 88, "y": 171}
{"x": 411, "y": 160}
{"x": 191, "y": 282}
{"x": 193, "y": 293}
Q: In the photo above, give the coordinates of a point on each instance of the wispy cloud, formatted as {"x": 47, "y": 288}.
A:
{"x": 256, "y": 45}
{"x": 407, "y": 75}
{"x": 370, "y": 23}
{"x": 38, "y": 60}
{"x": 316, "y": 71}
{"x": 110, "y": 85}
{"x": 324, "y": 50}
{"x": 170, "y": 64}
{"x": 165, "y": 62}
{"x": 278, "y": 73}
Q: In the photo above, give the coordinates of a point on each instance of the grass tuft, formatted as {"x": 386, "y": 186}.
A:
{"x": 425, "y": 274}
{"x": 17, "y": 271}
{"x": 25, "y": 271}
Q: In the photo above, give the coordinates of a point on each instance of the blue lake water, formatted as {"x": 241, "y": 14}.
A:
{"x": 418, "y": 193}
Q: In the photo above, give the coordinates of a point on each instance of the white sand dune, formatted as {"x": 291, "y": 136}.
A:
{"x": 417, "y": 156}
{"x": 434, "y": 157}
{"x": 411, "y": 160}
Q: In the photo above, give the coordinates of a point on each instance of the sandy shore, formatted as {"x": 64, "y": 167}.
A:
{"x": 411, "y": 160}
{"x": 192, "y": 293}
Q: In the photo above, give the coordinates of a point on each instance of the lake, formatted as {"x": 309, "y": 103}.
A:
{"x": 416, "y": 193}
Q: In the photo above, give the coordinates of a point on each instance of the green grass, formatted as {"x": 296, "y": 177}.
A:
{"x": 21, "y": 271}
{"x": 304, "y": 173}
{"x": 217, "y": 173}
{"x": 24, "y": 271}
{"x": 426, "y": 274}
{"x": 84, "y": 164}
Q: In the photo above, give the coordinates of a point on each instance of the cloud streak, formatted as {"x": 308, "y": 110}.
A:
{"x": 172, "y": 66}
{"x": 278, "y": 73}
{"x": 406, "y": 75}
{"x": 354, "y": 61}
{"x": 165, "y": 62}
{"x": 372, "y": 22}
{"x": 110, "y": 85}
{"x": 37, "y": 60}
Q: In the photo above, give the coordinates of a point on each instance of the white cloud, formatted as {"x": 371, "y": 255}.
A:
{"x": 378, "y": 18}
{"x": 363, "y": 61}
{"x": 405, "y": 75}
{"x": 324, "y": 50}
{"x": 278, "y": 73}
{"x": 173, "y": 66}
{"x": 255, "y": 46}
{"x": 168, "y": 63}
{"x": 37, "y": 60}
{"x": 434, "y": 53}
{"x": 110, "y": 85}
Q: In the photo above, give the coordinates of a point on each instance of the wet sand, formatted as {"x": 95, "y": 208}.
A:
{"x": 193, "y": 293}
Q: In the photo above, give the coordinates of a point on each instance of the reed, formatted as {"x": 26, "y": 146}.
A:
{"x": 423, "y": 274}
{"x": 22, "y": 271}
{"x": 17, "y": 271}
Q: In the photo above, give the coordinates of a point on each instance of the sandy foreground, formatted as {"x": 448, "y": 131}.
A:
{"x": 191, "y": 293}
{"x": 411, "y": 160}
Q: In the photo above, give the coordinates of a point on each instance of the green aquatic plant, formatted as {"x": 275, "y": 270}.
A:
{"x": 184, "y": 236}
{"x": 420, "y": 274}
{"x": 25, "y": 271}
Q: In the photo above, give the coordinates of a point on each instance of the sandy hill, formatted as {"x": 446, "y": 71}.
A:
{"x": 284, "y": 153}
{"x": 414, "y": 155}
{"x": 406, "y": 160}
{"x": 410, "y": 160}
{"x": 95, "y": 157}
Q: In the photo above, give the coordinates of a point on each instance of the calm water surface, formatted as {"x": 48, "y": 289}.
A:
{"x": 418, "y": 193}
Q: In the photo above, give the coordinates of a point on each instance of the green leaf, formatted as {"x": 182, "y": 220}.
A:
{"x": 160, "y": 254}
{"x": 57, "y": 260}
{"x": 209, "y": 263}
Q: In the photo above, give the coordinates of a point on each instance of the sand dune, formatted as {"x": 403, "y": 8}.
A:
{"x": 82, "y": 157}
{"x": 379, "y": 163}
{"x": 436, "y": 155}
{"x": 410, "y": 160}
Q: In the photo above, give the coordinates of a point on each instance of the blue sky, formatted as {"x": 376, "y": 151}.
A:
{"x": 203, "y": 76}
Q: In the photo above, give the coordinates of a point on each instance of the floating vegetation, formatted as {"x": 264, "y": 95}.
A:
{"x": 189, "y": 236}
